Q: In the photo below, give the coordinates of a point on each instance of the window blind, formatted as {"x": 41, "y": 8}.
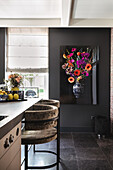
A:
{"x": 27, "y": 49}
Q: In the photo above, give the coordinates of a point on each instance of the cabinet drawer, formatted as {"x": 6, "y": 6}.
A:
{"x": 15, "y": 132}
{"x": 10, "y": 155}
{"x": 15, "y": 164}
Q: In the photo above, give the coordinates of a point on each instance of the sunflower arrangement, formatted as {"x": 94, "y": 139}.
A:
{"x": 78, "y": 64}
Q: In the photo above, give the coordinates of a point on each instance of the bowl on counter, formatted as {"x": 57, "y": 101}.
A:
{"x": 3, "y": 97}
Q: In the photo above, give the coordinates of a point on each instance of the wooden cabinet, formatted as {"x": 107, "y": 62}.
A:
{"x": 10, "y": 149}
{"x": 15, "y": 164}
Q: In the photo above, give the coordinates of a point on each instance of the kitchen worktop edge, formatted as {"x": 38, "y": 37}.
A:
{"x": 15, "y": 113}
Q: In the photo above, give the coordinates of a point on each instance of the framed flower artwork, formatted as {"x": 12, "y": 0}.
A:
{"x": 78, "y": 74}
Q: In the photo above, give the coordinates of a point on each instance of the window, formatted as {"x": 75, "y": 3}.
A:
{"x": 28, "y": 54}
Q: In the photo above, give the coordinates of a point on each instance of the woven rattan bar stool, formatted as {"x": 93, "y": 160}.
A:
{"x": 50, "y": 102}
{"x": 40, "y": 127}
{"x": 56, "y": 103}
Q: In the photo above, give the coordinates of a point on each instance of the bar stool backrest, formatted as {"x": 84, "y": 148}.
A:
{"x": 41, "y": 117}
{"x": 50, "y": 102}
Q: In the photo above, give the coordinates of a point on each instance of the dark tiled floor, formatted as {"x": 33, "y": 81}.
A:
{"x": 78, "y": 152}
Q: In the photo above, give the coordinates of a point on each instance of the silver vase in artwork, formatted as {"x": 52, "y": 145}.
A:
{"x": 78, "y": 89}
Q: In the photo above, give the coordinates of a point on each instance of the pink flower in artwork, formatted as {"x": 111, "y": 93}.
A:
{"x": 85, "y": 73}
{"x": 69, "y": 70}
{"x": 71, "y": 54}
{"x": 73, "y": 49}
{"x": 72, "y": 60}
{"x": 64, "y": 66}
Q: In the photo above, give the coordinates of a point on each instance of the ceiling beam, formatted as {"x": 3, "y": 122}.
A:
{"x": 91, "y": 23}
{"x": 74, "y": 8}
{"x": 66, "y": 12}
{"x": 30, "y": 22}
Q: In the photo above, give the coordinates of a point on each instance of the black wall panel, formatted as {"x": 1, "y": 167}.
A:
{"x": 2, "y": 54}
{"x": 78, "y": 117}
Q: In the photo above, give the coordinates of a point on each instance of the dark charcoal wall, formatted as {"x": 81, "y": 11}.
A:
{"x": 2, "y": 54}
{"x": 78, "y": 117}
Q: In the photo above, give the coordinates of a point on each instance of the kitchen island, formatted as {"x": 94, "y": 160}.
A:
{"x": 10, "y": 132}
{"x": 14, "y": 112}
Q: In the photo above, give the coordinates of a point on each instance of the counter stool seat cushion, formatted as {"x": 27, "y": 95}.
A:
{"x": 50, "y": 102}
{"x": 38, "y": 136}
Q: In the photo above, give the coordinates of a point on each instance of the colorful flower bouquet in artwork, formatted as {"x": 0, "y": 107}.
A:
{"x": 78, "y": 64}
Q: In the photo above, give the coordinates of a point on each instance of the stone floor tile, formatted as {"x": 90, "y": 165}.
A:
{"x": 90, "y": 154}
{"x": 93, "y": 165}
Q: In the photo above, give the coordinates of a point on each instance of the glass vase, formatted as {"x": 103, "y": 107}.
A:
{"x": 14, "y": 89}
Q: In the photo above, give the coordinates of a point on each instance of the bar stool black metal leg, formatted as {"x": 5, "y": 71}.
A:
{"x": 34, "y": 148}
{"x": 26, "y": 157}
{"x": 58, "y": 141}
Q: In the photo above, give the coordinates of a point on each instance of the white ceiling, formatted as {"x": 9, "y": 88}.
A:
{"x": 30, "y": 8}
{"x": 53, "y": 13}
{"x": 93, "y": 9}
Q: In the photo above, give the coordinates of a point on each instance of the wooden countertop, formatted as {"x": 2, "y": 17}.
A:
{"x": 14, "y": 112}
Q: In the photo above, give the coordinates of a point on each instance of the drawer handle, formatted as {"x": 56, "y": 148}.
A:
{"x": 11, "y": 137}
{"x": 17, "y": 132}
{"x": 6, "y": 145}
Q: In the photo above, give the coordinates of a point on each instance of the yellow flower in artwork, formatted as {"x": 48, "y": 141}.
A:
{"x": 79, "y": 78}
{"x": 64, "y": 56}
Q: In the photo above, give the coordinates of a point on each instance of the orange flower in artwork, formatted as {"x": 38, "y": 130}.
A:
{"x": 71, "y": 79}
{"x": 78, "y": 53}
{"x": 70, "y": 64}
{"x": 68, "y": 56}
{"x": 88, "y": 67}
{"x": 77, "y": 72}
